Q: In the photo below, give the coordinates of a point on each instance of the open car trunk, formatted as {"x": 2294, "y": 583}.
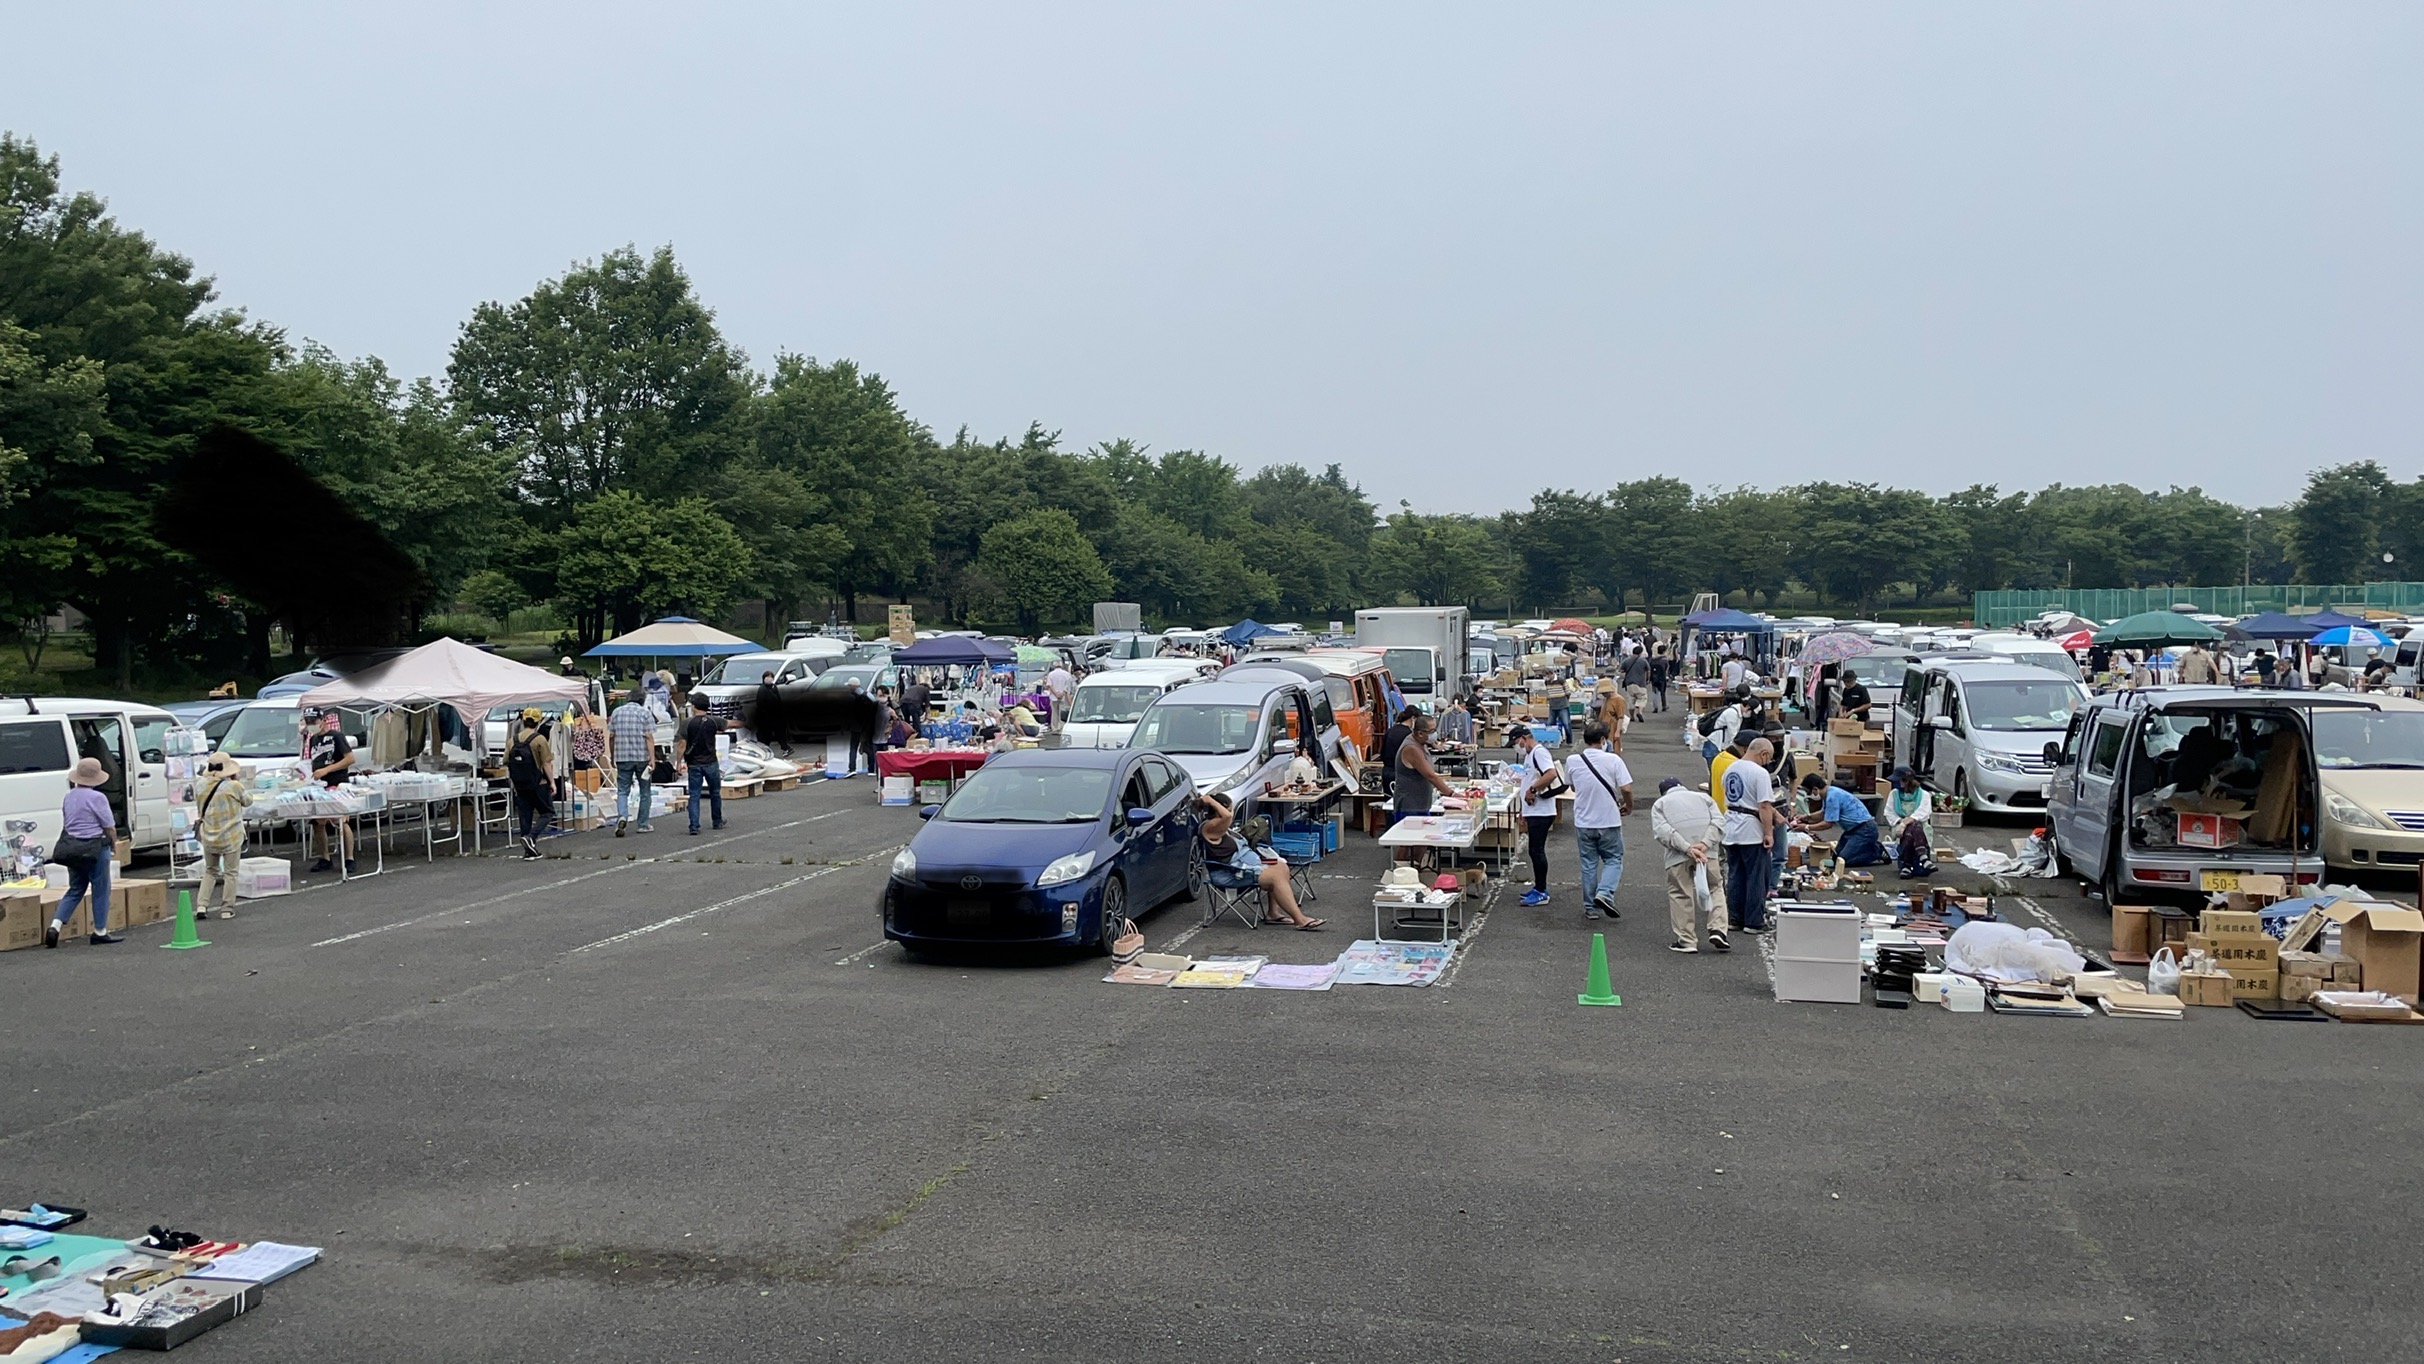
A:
{"x": 2222, "y": 781}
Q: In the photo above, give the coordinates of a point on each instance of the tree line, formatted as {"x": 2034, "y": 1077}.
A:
{"x": 599, "y": 447}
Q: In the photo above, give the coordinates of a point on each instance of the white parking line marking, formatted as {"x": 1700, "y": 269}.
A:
{"x": 864, "y": 953}
{"x": 569, "y": 881}
{"x": 704, "y": 910}
{"x": 1472, "y": 935}
{"x": 1186, "y": 937}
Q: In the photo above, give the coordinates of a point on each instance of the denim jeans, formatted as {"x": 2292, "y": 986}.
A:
{"x": 1746, "y": 884}
{"x": 1776, "y": 858}
{"x": 1602, "y": 855}
{"x": 625, "y": 775}
{"x": 709, "y": 776}
{"x": 93, "y": 877}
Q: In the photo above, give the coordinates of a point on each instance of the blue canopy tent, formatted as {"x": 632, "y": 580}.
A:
{"x": 1724, "y": 620}
{"x": 947, "y": 651}
{"x": 1245, "y": 632}
{"x": 2274, "y": 625}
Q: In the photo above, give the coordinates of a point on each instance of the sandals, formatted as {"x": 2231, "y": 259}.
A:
{"x": 1310, "y": 924}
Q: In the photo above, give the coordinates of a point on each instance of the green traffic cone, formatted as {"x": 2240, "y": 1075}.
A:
{"x": 185, "y": 935}
{"x": 1599, "y": 991}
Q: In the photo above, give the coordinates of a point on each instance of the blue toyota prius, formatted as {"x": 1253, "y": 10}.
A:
{"x": 1047, "y": 846}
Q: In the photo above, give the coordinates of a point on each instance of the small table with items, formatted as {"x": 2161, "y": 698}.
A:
{"x": 928, "y": 764}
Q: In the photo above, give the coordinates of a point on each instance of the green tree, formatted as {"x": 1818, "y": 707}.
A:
{"x": 2333, "y": 534}
{"x": 1436, "y": 560}
{"x": 1853, "y": 541}
{"x": 840, "y": 462}
{"x": 492, "y": 594}
{"x": 625, "y": 559}
{"x": 613, "y": 376}
{"x": 49, "y": 418}
{"x": 1042, "y": 567}
{"x": 1652, "y": 535}
{"x": 1561, "y": 546}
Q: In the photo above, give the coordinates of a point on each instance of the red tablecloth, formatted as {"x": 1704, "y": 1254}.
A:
{"x": 932, "y": 764}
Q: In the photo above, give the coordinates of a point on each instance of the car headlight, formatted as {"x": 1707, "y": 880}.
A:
{"x": 1996, "y": 762}
{"x": 2348, "y": 812}
{"x": 1066, "y": 869}
{"x": 1229, "y": 783}
{"x": 904, "y": 865}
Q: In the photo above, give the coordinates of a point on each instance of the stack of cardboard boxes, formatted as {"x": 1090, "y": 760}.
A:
{"x": 25, "y": 913}
{"x": 1855, "y": 754}
{"x": 2383, "y": 943}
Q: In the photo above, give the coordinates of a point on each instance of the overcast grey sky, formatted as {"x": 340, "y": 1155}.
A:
{"x": 1465, "y": 251}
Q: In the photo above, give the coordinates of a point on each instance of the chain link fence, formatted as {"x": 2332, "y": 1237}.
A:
{"x": 2112, "y": 603}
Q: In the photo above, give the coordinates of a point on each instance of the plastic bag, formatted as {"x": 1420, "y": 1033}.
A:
{"x": 1700, "y": 886}
{"x": 2163, "y": 973}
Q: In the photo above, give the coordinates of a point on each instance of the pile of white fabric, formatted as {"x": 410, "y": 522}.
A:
{"x": 2000, "y": 951}
{"x": 749, "y": 758}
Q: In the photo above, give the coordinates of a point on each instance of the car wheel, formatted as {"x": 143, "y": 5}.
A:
{"x": 1198, "y": 875}
{"x": 1115, "y": 908}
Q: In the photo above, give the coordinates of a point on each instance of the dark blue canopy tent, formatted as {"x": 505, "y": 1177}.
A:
{"x": 1245, "y": 632}
{"x": 2274, "y": 625}
{"x": 1724, "y": 620}
{"x": 947, "y": 651}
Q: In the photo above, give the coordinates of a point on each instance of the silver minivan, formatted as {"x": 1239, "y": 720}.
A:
{"x": 1234, "y": 737}
{"x": 1979, "y": 729}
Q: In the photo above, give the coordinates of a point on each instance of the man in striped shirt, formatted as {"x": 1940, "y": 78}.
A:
{"x": 630, "y": 748}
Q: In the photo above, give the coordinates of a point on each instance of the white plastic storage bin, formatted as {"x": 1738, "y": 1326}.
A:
{"x": 260, "y": 877}
{"x": 1817, "y": 954}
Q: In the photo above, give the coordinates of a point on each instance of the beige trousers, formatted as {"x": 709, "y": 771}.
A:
{"x": 1679, "y": 899}
{"x": 219, "y": 876}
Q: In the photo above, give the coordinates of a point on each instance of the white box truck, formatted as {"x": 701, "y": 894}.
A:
{"x": 1424, "y": 646}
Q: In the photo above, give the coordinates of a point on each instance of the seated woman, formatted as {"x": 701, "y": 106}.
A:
{"x": 1907, "y": 811}
{"x": 1855, "y": 828}
{"x": 1235, "y": 866}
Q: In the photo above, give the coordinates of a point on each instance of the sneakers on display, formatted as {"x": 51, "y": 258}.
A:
{"x": 1718, "y": 942}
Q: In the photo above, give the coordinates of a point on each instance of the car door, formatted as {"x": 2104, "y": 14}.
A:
{"x": 1904, "y": 726}
{"x": 2099, "y": 783}
{"x": 103, "y": 738}
{"x": 1143, "y": 846}
{"x": 150, "y": 799}
{"x": 1174, "y": 815}
{"x": 1952, "y": 745}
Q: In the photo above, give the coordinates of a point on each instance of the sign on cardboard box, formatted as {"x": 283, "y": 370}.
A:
{"x": 2225, "y": 923}
{"x": 2254, "y": 984}
{"x": 2247, "y": 954}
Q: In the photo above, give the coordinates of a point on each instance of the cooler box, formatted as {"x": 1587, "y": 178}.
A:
{"x": 260, "y": 877}
{"x": 1817, "y": 955}
{"x": 934, "y": 790}
{"x": 840, "y": 756}
{"x": 896, "y": 791}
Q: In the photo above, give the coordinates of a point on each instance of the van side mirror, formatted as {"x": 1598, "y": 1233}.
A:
{"x": 1940, "y": 722}
{"x": 1282, "y": 746}
{"x": 2053, "y": 754}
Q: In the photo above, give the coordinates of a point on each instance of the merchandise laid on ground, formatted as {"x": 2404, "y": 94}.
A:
{"x": 71, "y": 1297}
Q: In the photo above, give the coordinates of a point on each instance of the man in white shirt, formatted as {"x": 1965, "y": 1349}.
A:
{"x": 1721, "y": 737}
{"x": 1603, "y": 796}
{"x": 1062, "y": 688}
{"x": 1750, "y": 824}
{"x": 1735, "y": 672}
{"x": 1688, "y": 826}
{"x": 1539, "y": 807}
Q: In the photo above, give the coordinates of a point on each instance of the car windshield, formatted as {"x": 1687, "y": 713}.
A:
{"x": 1882, "y": 676}
{"x": 1111, "y": 705}
{"x": 746, "y": 672}
{"x": 2368, "y": 738}
{"x": 835, "y": 679}
{"x": 2052, "y": 660}
{"x": 1030, "y": 795}
{"x": 265, "y": 732}
{"x": 2022, "y": 705}
{"x": 1197, "y": 728}
{"x": 1411, "y": 667}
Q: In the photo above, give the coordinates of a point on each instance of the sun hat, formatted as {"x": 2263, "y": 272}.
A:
{"x": 532, "y": 715}
{"x": 89, "y": 772}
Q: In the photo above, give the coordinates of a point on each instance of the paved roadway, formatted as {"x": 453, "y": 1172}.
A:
{"x": 665, "y": 1098}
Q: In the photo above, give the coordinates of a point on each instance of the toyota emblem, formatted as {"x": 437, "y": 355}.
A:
{"x": 972, "y": 883}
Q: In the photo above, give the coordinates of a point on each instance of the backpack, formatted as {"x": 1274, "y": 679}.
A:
{"x": 523, "y": 766}
{"x": 1708, "y": 722}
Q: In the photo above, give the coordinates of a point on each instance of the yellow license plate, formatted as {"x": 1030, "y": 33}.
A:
{"x": 2218, "y": 880}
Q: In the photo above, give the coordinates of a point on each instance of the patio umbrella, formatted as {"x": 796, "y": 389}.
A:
{"x": 2274, "y": 625}
{"x": 1835, "y": 647}
{"x": 2075, "y": 641}
{"x": 2352, "y": 634}
{"x": 2155, "y": 630}
{"x": 674, "y": 637}
{"x": 1574, "y": 623}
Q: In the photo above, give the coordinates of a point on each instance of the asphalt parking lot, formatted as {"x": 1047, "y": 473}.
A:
{"x": 665, "y": 1097}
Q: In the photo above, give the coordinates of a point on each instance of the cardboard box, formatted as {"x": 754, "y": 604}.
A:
{"x": 2297, "y": 989}
{"x": 2386, "y": 941}
{"x": 22, "y": 916}
{"x": 2255, "y": 954}
{"x": 2130, "y": 933}
{"x": 133, "y": 903}
{"x": 2207, "y": 831}
{"x": 2318, "y": 965}
{"x": 2254, "y": 984}
{"x": 1852, "y": 728}
{"x": 2231, "y": 923}
{"x": 2209, "y": 988}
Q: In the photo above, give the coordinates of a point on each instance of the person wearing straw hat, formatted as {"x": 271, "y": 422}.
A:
{"x": 88, "y": 829}
{"x": 221, "y": 800}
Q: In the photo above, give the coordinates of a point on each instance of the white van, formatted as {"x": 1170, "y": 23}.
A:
{"x": 1107, "y": 705}
{"x": 41, "y": 738}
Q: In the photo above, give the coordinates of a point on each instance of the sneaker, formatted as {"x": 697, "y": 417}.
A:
{"x": 103, "y": 939}
{"x": 1534, "y": 898}
{"x": 719, "y": 824}
{"x": 322, "y": 865}
{"x": 1607, "y": 906}
{"x": 227, "y": 914}
{"x": 618, "y": 831}
{"x": 1590, "y": 911}
{"x": 50, "y": 935}
{"x": 646, "y": 829}
{"x": 1684, "y": 945}
{"x": 694, "y": 831}
{"x": 1718, "y": 942}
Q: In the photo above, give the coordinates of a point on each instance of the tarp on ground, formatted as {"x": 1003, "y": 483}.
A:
{"x": 447, "y": 672}
{"x": 674, "y": 637}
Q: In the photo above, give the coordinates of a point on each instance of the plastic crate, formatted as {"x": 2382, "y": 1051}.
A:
{"x": 1297, "y": 845}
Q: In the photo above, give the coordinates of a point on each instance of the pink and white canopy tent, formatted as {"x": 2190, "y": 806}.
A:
{"x": 451, "y": 673}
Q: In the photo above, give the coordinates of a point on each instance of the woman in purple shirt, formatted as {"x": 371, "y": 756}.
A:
{"x": 86, "y": 814}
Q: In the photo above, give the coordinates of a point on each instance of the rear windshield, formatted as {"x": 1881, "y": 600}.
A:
{"x": 32, "y": 746}
{"x": 2368, "y": 738}
{"x": 1111, "y": 705}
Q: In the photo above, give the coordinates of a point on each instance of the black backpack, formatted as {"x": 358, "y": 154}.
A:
{"x": 523, "y": 766}
{"x": 1708, "y": 722}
